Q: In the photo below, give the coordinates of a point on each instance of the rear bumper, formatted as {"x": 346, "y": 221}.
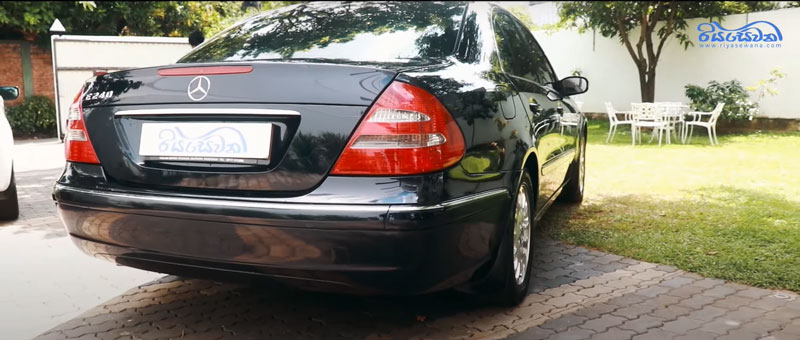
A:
{"x": 367, "y": 249}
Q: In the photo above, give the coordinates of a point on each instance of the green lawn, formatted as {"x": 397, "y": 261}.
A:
{"x": 730, "y": 211}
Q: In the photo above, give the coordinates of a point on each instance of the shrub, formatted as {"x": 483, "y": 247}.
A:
{"x": 36, "y": 116}
{"x": 738, "y": 105}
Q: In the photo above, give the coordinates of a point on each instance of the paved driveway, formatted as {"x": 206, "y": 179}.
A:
{"x": 577, "y": 294}
{"x": 44, "y": 279}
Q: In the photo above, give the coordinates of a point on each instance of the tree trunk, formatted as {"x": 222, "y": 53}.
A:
{"x": 649, "y": 93}
{"x": 645, "y": 64}
{"x": 643, "y": 85}
{"x": 647, "y": 84}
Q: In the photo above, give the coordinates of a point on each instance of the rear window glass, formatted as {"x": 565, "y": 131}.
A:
{"x": 393, "y": 32}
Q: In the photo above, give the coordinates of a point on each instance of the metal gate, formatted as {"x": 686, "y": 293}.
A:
{"x": 77, "y": 58}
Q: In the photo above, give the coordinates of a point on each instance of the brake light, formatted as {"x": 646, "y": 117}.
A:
{"x": 407, "y": 131}
{"x": 204, "y": 71}
{"x": 77, "y": 146}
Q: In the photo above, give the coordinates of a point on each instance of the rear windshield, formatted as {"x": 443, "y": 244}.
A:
{"x": 392, "y": 32}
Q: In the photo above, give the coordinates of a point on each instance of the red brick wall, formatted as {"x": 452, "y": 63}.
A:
{"x": 42, "y": 66}
{"x": 11, "y": 69}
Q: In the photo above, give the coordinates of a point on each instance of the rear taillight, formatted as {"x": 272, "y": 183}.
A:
{"x": 77, "y": 146}
{"x": 407, "y": 131}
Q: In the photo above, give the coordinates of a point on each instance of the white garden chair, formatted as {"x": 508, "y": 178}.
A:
{"x": 673, "y": 114}
{"x": 613, "y": 120}
{"x": 710, "y": 124}
{"x": 649, "y": 115}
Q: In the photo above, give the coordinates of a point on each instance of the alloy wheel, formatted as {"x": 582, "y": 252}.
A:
{"x": 522, "y": 234}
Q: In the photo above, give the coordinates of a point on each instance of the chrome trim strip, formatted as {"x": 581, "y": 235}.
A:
{"x": 225, "y": 202}
{"x": 449, "y": 204}
{"x": 206, "y": 111}
{"x": 384, "y": 208}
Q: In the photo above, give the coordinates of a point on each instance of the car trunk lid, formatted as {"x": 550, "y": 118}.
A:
{"x": 292, "y": 119}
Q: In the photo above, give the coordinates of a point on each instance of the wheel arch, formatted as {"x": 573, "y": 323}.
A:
{"x": 532, "y": 164}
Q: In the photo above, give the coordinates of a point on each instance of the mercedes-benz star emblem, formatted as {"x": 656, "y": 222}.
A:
{"x": 198, "y": 88}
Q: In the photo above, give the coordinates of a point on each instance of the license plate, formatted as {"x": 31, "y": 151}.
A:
{"x": 206, "y": 142}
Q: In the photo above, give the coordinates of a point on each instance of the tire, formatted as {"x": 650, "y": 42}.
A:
{"x": 576, "y": 176}
{"x": 508, "y": 285}
{"x": 9, "y": 206}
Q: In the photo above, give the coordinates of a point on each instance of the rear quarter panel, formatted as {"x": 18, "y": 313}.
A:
{"x": 496, "y": 141}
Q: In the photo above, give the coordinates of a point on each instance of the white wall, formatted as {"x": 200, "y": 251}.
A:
{"x": 76, "y": 58}
{"x": 613, "y": 76}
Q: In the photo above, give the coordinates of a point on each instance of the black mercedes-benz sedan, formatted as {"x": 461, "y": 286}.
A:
{"x": 370, "y": 148}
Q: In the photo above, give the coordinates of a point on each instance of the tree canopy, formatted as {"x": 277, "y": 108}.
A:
{"x": 656, "y": 22}
{"x": 32, "y": 19}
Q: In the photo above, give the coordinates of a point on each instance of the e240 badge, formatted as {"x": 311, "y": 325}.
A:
{"x": 99, "y": 95}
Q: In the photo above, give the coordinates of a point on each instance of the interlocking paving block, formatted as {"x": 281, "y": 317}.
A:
{"x": 720, "y": 325}
{"x": 595, "y": 311}
{"x": 655, "y": 334}
{"x": 626, "y": 300}
{"x": 665, "y": 268}
{"x": 744, "y": 314}
{"x": 642, "y": 323}
{"x": 566, "y": 299}
{"x": 671, "y": 312}
{"x": 782, "y": 315}
{"x": 563, "y": 323}
{"x": 793, "y": 328}
{"x": 697, "y": 301}
{"x": 613, "y": 334}
{"x": 634, "y": 311}
{"x": 687, "y": 291}
{"x": 652, "y": 291}
{"x": 720, "y": 291}
{"x": 705, "y": 282}
{"x": 697, "y": 335}
{"x": 761, "y": 327}
{"x": 769, "y": 302}
{"x": 603, "y": 323}
{"x": 574, "y": 333}
{"x": 585, "y": 274}
{"x": 676, "y": 282}
{"x": 535, "y": 333}
{"x": 740, "y": 335}
{"x": 707, "y": 313}
{"x": 612, "y": 298}
{"x": 682, "y": 325}
{"x": 662, "y": 300}
{"x": 753, "y": 293}
{"x": 607, "y": 258}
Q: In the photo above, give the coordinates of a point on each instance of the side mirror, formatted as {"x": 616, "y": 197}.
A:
{"x": 573, "y": 85}
{"x": 9, "y": 92}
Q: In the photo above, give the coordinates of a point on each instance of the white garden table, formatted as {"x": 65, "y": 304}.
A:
{"x": 667, "y": 116}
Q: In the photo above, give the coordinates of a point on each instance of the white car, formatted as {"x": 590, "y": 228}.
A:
{"x": 9, "y": 207}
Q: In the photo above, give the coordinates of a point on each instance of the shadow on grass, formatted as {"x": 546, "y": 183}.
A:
{"x": 724, "y": 232}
